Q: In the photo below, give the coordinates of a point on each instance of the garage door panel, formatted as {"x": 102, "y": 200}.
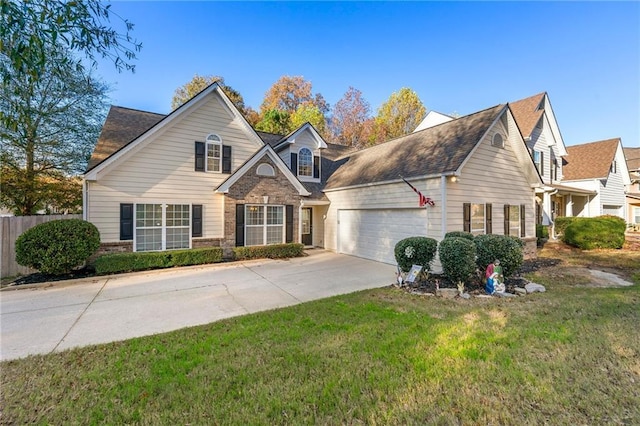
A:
{"x": 373, "y": 234}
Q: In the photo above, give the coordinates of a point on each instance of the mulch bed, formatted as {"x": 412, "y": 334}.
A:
{"x": 435, "y": 281}
{"x": 39, "y": 277}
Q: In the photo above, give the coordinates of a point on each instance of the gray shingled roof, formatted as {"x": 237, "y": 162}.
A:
{"x": 433, "y": 151}
{"x": 270, "y": 138}
{"x": 122, "y": 126}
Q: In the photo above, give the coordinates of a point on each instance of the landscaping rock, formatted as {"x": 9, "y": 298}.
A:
{"x": 535, "y": 288}
{"x": 447, "y": 293}
{"x": 520, "y": 291}
{"x": 504, "y": 294}
{"x": 466, "y": 296}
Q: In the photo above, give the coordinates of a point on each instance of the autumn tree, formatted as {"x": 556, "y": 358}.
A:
{"x": 289, "y": 92}
{"x": 275, "y": 121}
{"x": 308, "y": 113}
{"x": 399, "y": 115}
{"x": 50, "y": 123}
{"x": 198, "y": 83}
{"x": 349, "y": 122}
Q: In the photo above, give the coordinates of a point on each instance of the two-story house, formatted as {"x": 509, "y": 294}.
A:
{"x": 632, "y": 155}
{"x": 201, "y": 176}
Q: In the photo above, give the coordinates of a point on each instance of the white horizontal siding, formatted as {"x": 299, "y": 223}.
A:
{"x": 163, "y": 171}
{"x": 492, "y": 175}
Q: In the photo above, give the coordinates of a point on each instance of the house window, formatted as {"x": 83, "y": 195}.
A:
{"x": 265, "y": 169}
{"x": 614, "y": 167}
{"x": 514, "y": 221}
{"x": 538, "y": 160}
{"x": 264, "y": 225}
{"x": 477, "y": 219}
{"x": 636, "y": 215}
{"x": 497, "y": 141}
{"x": 554, "y": 169}
{"x": 162, "y": 227}
{"x": 305, "y": 162}
{"x": 214, "y": 153}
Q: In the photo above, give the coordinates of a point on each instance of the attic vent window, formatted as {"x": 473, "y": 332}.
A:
{"x": 497, "y": 141}
{"x": 265, "y": 169}
{"x": 541, "y": 105}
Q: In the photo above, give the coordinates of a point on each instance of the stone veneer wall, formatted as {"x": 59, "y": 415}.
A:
{"x": 251, "y": 189}
{"x": 530, "y": 250}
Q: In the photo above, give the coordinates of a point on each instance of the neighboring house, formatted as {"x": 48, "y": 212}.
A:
{"x": 539, "y": 128}
{"x": 632, "y": 155}
{"x": 599, "y": 167}
{"x": 201, "y": 176}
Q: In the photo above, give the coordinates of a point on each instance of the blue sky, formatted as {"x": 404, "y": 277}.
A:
{"x": 458, "y": 56}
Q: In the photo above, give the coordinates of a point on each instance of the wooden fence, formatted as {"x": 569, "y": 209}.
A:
{"x": 12, "y": 227}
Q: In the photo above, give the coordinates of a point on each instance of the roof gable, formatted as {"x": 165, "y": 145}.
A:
{"x": 437, "y": 150}
{"x": 433, "y": 118}
{"x": 291, "y": 137}
{"x": 124, "y": 147}
{"x": 590, "y": 161}
{"x": 529, "y": 111}
{"x": 266, "y": 150}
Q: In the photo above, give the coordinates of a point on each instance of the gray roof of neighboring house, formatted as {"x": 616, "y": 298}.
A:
{"x": 432, "y": 151}
{"x": 121, "y": 126}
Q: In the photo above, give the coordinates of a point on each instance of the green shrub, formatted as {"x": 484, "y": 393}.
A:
{"x": 274, "y": 251}
{"x": 457, "y": 256}
{"x": 130, "y": 262}
{"x": 507, "y": 249}
{"x": 415, "y": 251}
{"x": 199, "y": 256}
{"x": 58, "y": 246}
{"x": 459, "y": 234}
{"x": 616, "y": 222}
{"x": 561, "y": 223}
{"x": 542, "y": 232}
{"x": 590, "y": 233}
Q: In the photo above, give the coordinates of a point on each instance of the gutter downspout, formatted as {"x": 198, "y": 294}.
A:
{"x": 443, "y": 207}
{"x": 85, "y": 199}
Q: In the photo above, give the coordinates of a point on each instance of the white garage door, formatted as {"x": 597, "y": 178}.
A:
{"x": 373, "y": 234}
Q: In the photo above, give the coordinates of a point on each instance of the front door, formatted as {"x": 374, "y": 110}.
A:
{"x": 307, "y": 227}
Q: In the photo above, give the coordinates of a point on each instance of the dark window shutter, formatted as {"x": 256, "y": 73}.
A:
{"x": 288, "y": 238}
{"x": 196, "y": 220}
{"x": 466, "y": 214}
{"x": 316, "y": 167}
{"x": 506, "y": 219}
{"x": 126, "y": 221}
{"x": 294, "y": 163}
{"x": 200, "y": 156}
{"x": 522, "y": 220}
{"x": 226, "y": 159}
{"x": 239, "y": 225}
{"x": 541, "y": 163}
{"x": 488, "y": 220}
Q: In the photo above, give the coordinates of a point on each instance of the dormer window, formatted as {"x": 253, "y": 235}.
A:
{"x": 305, "y": 162}
{"x": 214, "y": 153}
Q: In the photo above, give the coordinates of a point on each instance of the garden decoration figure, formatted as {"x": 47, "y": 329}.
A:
{"x": 494, "y": 278}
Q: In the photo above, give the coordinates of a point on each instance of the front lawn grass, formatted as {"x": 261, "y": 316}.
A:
{"x": 568, "y": 356}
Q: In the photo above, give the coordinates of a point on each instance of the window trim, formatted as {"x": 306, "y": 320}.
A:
{"x": 310, "y": 165}
{"x": 493, "y": 140}
{"x": 264, "y": 225}
{"x": 540, "y": 162}
{"x": 213, "y": 142}
{"x": 163, "y": 226}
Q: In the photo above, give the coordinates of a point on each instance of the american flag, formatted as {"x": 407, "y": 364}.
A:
{"x": 423, "y": 201}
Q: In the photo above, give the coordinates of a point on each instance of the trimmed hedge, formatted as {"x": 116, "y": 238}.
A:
{"x": 507, "y": 249}
{"x": 130, "y": 262}
{"x": 57, "y": 247}
{"x": 588, "y": 233}
{"x": 274, "y": 251}
{"x": 199, "y": 256}
{"x": 459, "y": 234}
{"x": 561, "y": 223}
{"x": 458, "y": 258}
{"x": 415, "y": 251}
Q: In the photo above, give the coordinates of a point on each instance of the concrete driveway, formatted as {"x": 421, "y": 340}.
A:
{"x": 55, "y": 317}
